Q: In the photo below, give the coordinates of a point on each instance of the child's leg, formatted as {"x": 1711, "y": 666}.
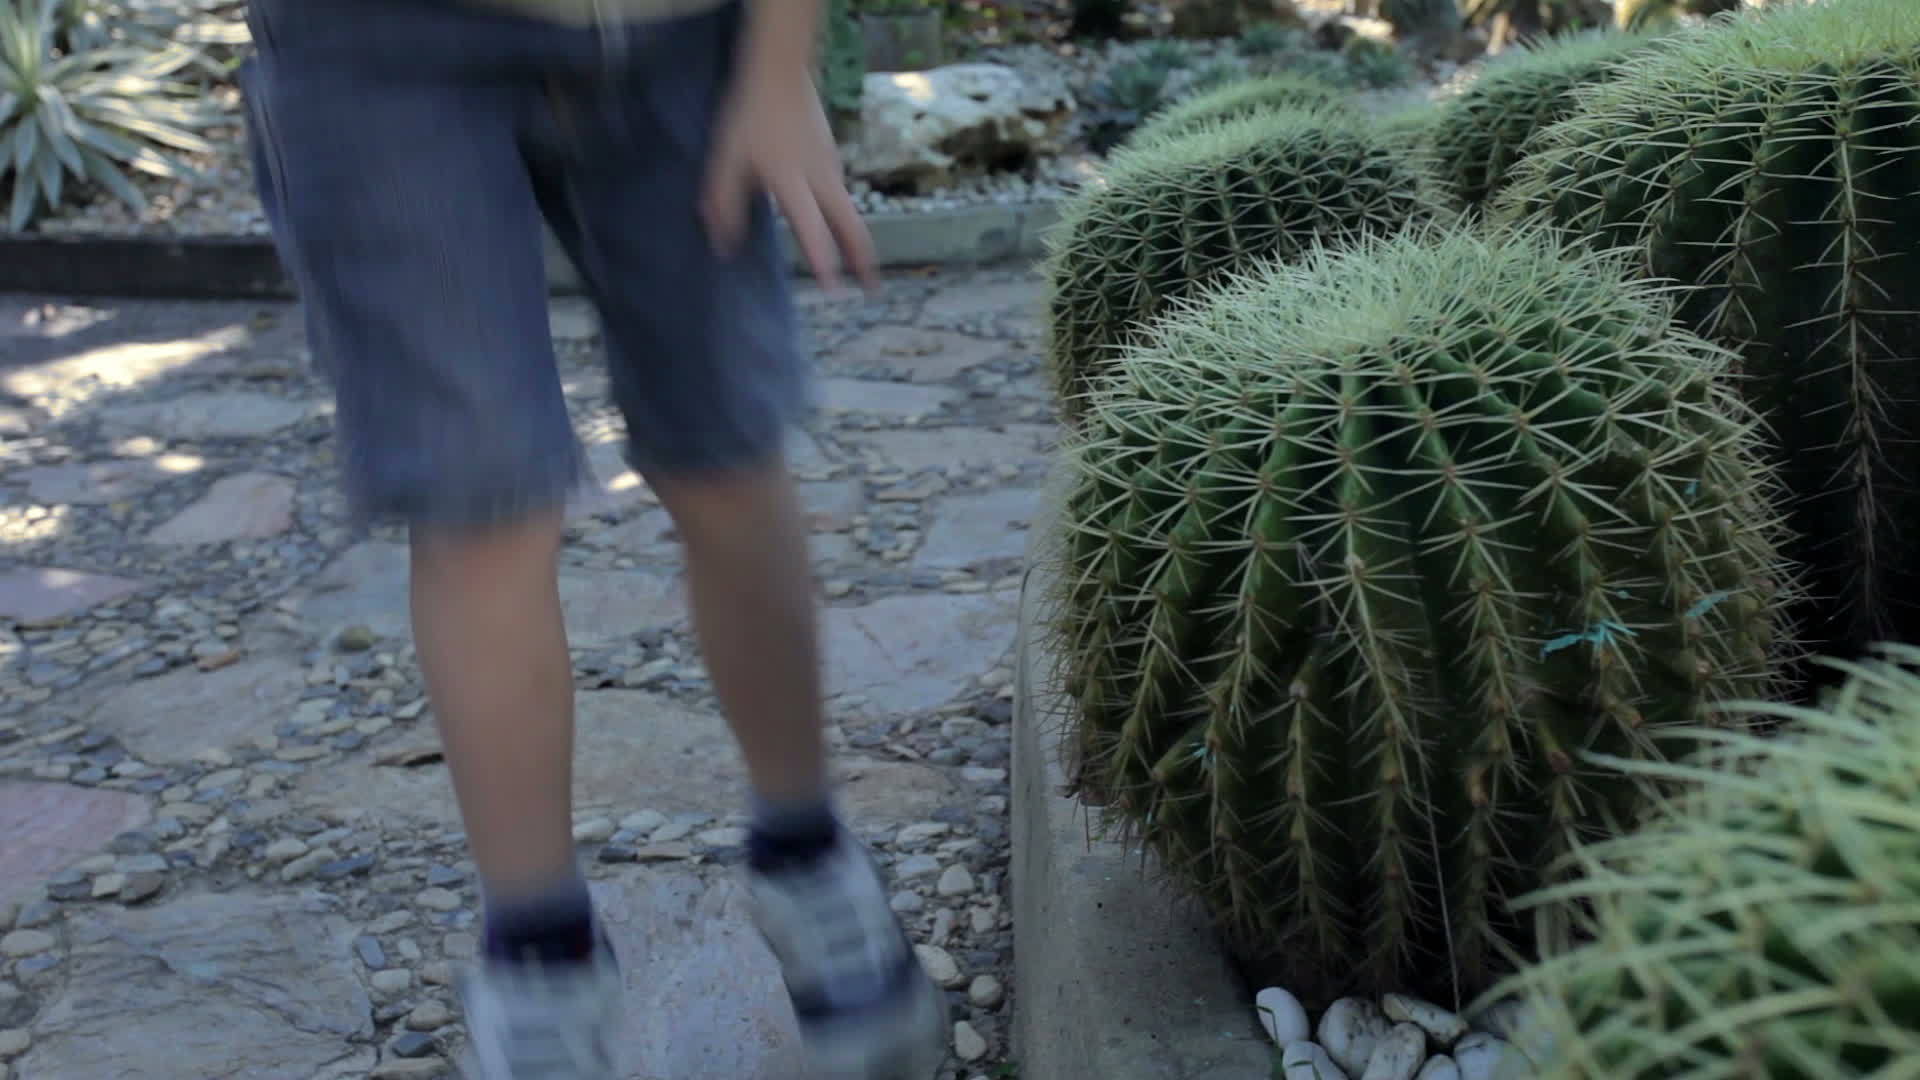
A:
{"x": 388, "y": 137}
{"x": 707, "y": 369}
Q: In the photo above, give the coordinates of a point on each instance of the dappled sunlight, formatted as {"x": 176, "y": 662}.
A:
{"x": 915, "y": 84}
{"x": 32, "y": 524}
{"x": 75, "y": 379}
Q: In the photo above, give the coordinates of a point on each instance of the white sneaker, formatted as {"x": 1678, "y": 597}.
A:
{"x": 539, "y": 1022}
{"x": 867, "y": 1009}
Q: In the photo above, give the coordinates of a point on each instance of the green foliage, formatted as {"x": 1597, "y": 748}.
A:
{"x": 1239, "y": 99}
{"x": 1215, "y": 76}
{"x": 1648, "y": 14}
{"x": 1121, "y": 101}
{"x": 1268, "y": 38}
{"x": 1359, "y": 555}
{"x": 1173, "y": 215}
{"x": 1376, "y": 65}
{"x": 83, "y": 116}
{"x": 1166, "y": 56}
{"x": 1770, "y": 165}
{"x": 842, "y": 60}
{"x": 1416, "y": 17}
{"x": 1766, "y": 924}
{"x": 1479, "y": 134}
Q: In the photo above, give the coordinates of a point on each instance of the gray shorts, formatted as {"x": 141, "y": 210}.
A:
{"x": 407, "y": 152}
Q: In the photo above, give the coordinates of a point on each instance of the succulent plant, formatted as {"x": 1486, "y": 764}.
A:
{"x": 1765, "y": 924}
{"x": 842, "y": 65}
{"x": 1171, "y": 216}
{"x": 1240, "y": 99}
{"x": 81, "y": 117}
{"x": 1770, "y": 165}
{"x": 1357, "y": 555}
{"x": 1480, "y": 132}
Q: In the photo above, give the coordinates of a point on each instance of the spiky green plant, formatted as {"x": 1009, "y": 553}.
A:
{"x": 1171, "y": 216}
{"x": 1766, "y": 924}
{"x": 81, "y": 117}
{"x": 1239, "y": 99}
{"x": 842, "y": 64}
{"x": 1357, "y": 556}
{"x": 1480, "y": 133}
{"x": 1771, "y": 165}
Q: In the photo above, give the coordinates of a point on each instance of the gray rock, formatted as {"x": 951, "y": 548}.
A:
{"x": 170, "y": 719}
{"x": 49, "y": 826}
{"x": 1440, "y": 1067}
{"x": 246, "y": 506}
{"x": 34, "y": 593}
{"x": 1442, "y": 1025}
{"x": 1398, "y": 1055}
{"x": 1480, "y": 1056}
{"x": 216, "y": 415}
{"x": 1282, "y": 1016}
{"x": 220, "y": 984}
{"x": 1349, "y": 1030}
{"x": 908, "y": 653}
{"x": 971, "y": 529}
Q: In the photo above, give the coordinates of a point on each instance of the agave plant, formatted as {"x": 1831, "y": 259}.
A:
{"x": 86, "y": 115}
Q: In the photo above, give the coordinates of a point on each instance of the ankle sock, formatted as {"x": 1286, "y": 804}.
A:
{"x": 553, "y": 926}
{"x": 788, "y": 831}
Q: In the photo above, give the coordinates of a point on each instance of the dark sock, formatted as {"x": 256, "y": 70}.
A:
{"x": 785, "y": 833}
{"x": 553, "y": 927}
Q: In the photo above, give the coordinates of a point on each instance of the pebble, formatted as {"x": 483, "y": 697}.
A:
{"x": 906, "y": 903}
{"x": 916, "y": 866}
{"x": 940, "y": 966}
{"x": 14, "y": 1042}
{"x": 438, "y": 900}
{"x": 1438, "y": 1068}
{"x": 1445, "y": 1027}
{"x": 957, "y": 880}
{"x": 1309, "y": 1061}
{"x": 285, "y": 848}
{"x": 423, "y": 1068}
{"x": 430, "y": 1016}
{"x": 1481, "y": 1056}
{"x": 1398, "y": 1055}
{"x": 1349, "y": 1030}
{"x": 412, "y": 1044}
{"x": 1282, "y": 1016}
{"x": 968, "y": 1044}
{"x": 391, "y": 981}
{"x": 985, "y": 992}
{"x": 644, "y": 822}
{"x": 24, "y": 943}
{"x": 142, "y": 886}
{"x": 671, "y": 831}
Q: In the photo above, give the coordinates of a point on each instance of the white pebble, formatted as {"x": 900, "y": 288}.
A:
{"x": 1398, "y": 1055}
{"x": 940, "y": 966}
{"x": 1349, "y": 1031}
{"x": 986, "y": 992}
{"x": 1488, "y": 1057}
{"x": 592, "y": 831}
{"x": 1438, "y": 1068}
{"x": 968, "y": 1044}
{"x": 1282, "y": 1016}
{"x": 1308, "y": 1061}
{"x": 1445, "y": 1027}
{"x": 956, "y": 881}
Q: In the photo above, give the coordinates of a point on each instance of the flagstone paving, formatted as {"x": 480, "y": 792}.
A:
{"x": 227, "y": 843}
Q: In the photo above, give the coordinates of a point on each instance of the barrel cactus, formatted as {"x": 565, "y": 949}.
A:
{"x": 1173, "y": 215}
{"x": 1771, "y": 164}
{"x": 1358, "y": 554}
{"x": 1765, "y": 925}
{"x": 1245, "y": 97}
{"x": 1479, "y": 134}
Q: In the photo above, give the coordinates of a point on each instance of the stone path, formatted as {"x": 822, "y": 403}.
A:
{"x": 227, "y": 843}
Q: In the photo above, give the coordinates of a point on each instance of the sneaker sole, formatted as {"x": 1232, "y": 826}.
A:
{"x": 907, "y": 1044}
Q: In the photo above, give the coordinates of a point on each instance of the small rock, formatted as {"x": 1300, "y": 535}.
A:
{"x": 24, "y": 943}
{"x": 1480, "y": 1056}
{"x": 1282, "y": 1016}
{"x": 285, "y": 848}
{"x": 142, "y": 886}
{"x": 391, "y": 982}
{"x": 968, "y": 1044}
{"x": 430, "y": 1016}
{"x": 14, "y": 1042}
{"x": 726, "y": 836}
{"x": 1308, "y": 1061}
{"x": 438, "y": 900}
{"x": 1438, "y": 1068}
{"x": 986, "y": 992}
{"x": 940, "y": 965}
{"x": 907, "y": 903}
{"x": 1349, "y": 1030}
{"x": 107, "y": 885}
{"x": 1398, "y": 1055}
{"x": 426, "y": 1068}
{"x": 1445, "y": 1027}
{"x": 412, "y": 1044}
{"x": 671, "y": 831}
{"x": 644, "y": 822}
{"x": 593, "y": 831}
{"x": 357, "y": 639}
{"x": 955, "y": 881}
{"x": 916, "y": 866}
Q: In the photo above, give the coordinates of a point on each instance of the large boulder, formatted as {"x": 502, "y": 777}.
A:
{"x": 922, "y": 130}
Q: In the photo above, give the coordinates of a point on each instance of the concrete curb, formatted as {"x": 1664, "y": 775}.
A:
{"x": 247, "y": 267}
{"x": 1113, "y": 976}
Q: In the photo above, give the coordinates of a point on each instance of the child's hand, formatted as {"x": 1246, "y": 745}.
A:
{"x": 776, "y": 136}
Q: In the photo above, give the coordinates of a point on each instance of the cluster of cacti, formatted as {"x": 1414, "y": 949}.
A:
{"x": 1361, "y": 554}
{"x": 1766, "y": 924}
{"x": 1771, "y": 165}
{"x": 1239, "y": 99}
{"x": 1171, "y": 216}
{"x": 1479, "y": 134}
